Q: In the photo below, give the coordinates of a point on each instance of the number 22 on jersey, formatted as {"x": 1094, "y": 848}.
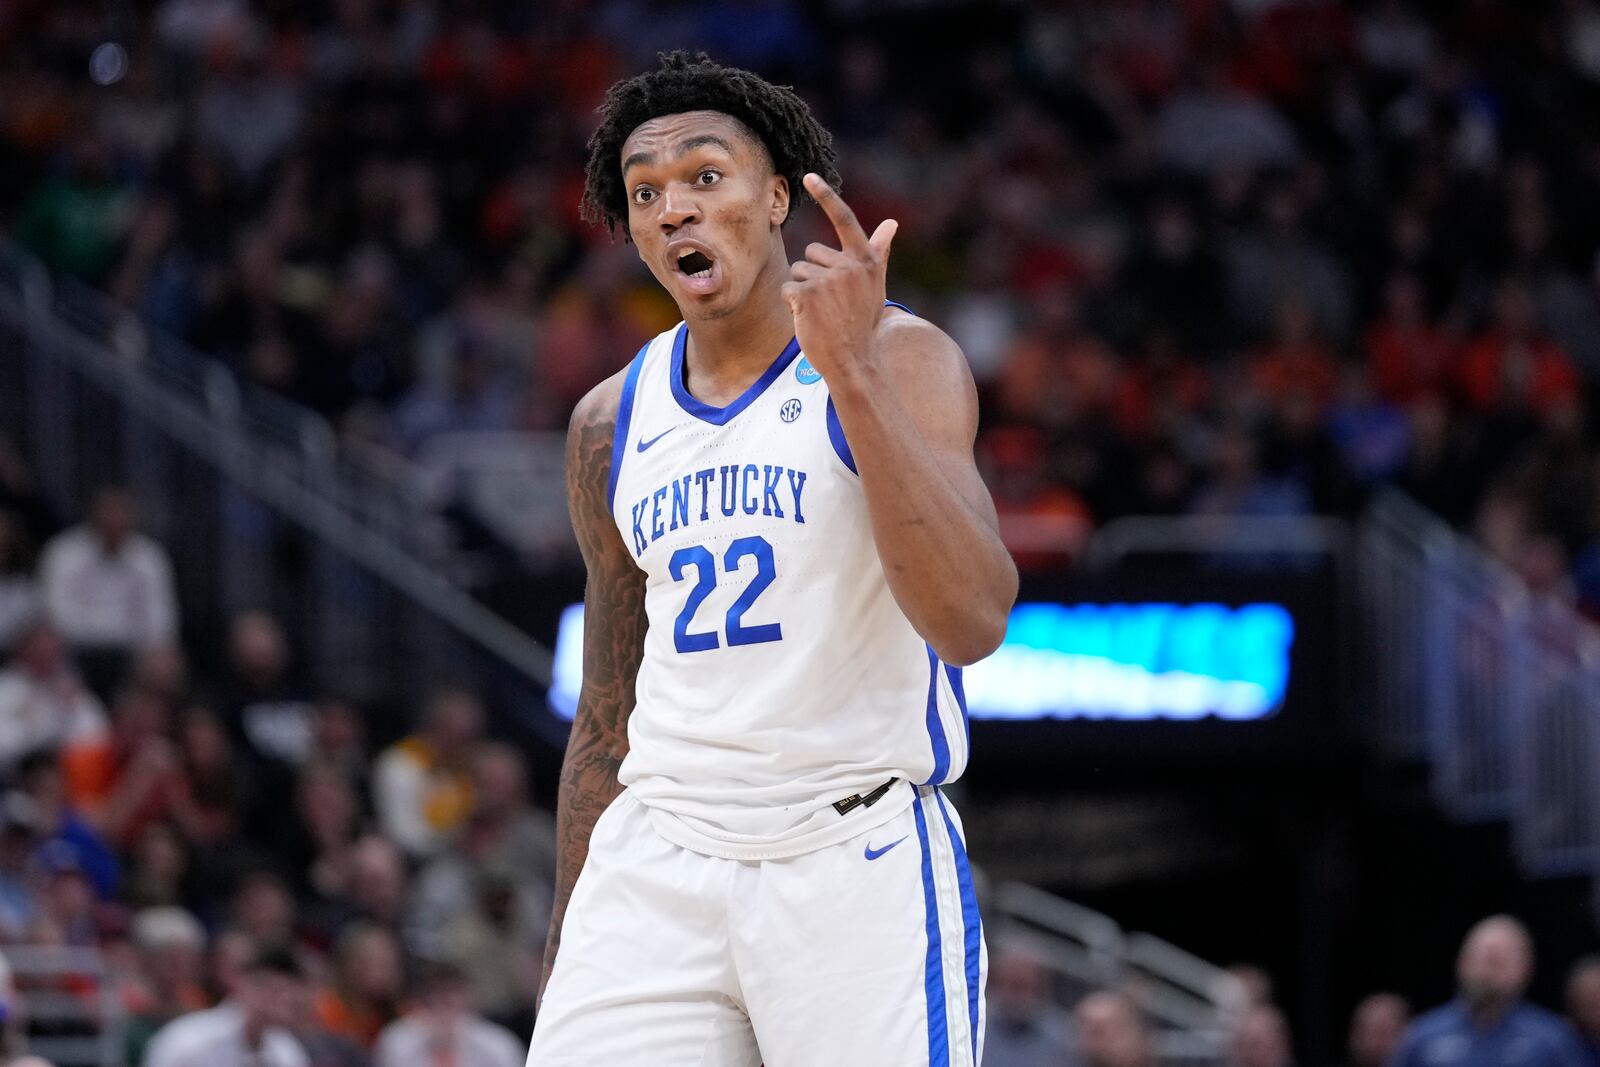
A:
{"x": 704, "y": 563}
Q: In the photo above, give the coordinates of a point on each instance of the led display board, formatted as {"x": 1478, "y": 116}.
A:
{"x": 1127, "y": 661}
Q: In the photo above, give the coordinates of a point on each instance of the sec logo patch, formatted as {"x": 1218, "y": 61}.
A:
{"x": 790, "y": 410}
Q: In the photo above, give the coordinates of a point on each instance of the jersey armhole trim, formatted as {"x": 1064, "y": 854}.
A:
{"x": 841, "y": 447}
{"x": 619, "y": 440}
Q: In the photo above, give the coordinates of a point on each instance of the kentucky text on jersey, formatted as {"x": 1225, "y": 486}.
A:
{"x": 728, "y": 489}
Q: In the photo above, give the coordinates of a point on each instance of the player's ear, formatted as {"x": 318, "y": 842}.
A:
{"x": 780, "y": 199}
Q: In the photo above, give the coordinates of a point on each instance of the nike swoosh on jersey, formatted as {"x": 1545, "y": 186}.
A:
{"x": 646, "y": 444}
{"x": 874, "y": 853}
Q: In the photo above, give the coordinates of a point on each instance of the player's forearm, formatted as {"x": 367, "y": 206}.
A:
{"x": 943, "y": 558}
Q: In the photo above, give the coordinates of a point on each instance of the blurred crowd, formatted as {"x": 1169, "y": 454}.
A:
{"x": 239, "y": 850}
{"x": 1237, "y": 257}
{"x": 1487, "y": 1024}
{"x": 257, "y": 880}
{"x": 1247, "y": 257}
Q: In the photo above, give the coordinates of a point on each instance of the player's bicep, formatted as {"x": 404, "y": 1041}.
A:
{"x": 931, "y": 378}
{"x": 614, "y": 620}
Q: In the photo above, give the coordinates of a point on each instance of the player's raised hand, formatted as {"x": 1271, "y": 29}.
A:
{"x": 836, "y": 294}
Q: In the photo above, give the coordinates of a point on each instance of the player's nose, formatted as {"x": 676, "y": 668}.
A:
{"x": 678, "y": 207}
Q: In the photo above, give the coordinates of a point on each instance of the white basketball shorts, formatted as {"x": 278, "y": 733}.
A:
{"x": 867, "y": 953}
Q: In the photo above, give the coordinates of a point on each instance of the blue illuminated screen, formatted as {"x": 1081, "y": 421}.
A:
{"x": 1092, "y": 661}
{"x": 1135, "y": 661}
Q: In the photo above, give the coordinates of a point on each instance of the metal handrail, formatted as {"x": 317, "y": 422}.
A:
{"x": 1496, "y": 689}
{"x": 1190, "y": 991}
{"x": 1079, "y": 941}
{"x": 213, "y": 433}
{"x": 1177, "y": 989}
{"x": 1308, "y": 535}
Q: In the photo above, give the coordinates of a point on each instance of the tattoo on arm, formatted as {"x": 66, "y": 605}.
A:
{"x": 613, "y": 643}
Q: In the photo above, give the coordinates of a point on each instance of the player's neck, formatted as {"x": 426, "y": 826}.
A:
{"x": 747, "y": 339}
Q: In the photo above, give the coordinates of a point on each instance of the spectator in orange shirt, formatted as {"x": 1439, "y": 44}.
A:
{"x": 1408, "y": 356}
{"x": 1161, "y": 393}
{"x": 1297, "y": 361}
{"x": 1512, "y": 367}
{"x": 1057, "y": 372}
{"x": 367, "y": 983}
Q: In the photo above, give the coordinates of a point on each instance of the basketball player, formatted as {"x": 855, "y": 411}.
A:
{"x": 790, "y": 555}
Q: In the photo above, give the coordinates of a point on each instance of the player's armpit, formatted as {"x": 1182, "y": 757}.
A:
{"x": 613, "y": 644}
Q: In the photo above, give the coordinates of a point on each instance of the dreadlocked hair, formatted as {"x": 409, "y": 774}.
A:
{"x": 686, "y": 81}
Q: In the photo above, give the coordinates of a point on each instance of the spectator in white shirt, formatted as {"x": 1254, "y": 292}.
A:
{"x": 43, "y": 703}
{"x": 443, "y": 1030}
{"x": 253, "y": 1028}
{"x": 108, "y": 587}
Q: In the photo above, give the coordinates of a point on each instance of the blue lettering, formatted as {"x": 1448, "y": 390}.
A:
{"x": 639, "y": 543}
{"x": 702, "y": 478}
{"x": 751, "y": 504}
{"x": 771, "y": 476}
{"x": 730, "y": 489}
{"x": 795, "y": 487}
{"x": 680, "y": 502}
{"x": 655, "y": 513}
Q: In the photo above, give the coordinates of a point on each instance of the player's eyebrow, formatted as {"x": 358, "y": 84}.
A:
{"x": 701, "y": 140}
{"x": 645, "y": 159}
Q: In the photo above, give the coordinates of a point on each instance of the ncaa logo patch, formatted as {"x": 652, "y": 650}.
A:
{"x": 790, "y": 410}
{"x": 806, "y": 374}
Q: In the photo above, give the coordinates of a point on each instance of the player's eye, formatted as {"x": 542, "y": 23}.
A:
{"x": 643, "y": 195}
{"x": 708, "y": 177}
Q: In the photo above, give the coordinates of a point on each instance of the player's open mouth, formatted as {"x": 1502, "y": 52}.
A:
{"x": 698, "y": 270}
{"x": 695, "y": 264}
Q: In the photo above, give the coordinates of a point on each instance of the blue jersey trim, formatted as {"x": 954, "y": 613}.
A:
{"x": 960, "y": 690}
{"x": 836, "y": 435}
{"x": 836, "y": 431}
{"x": 723, "y": 415}
{"x": 619, "y": 440}
{"x": 971, "y": 923}
{"x": 941, "y": 744}
{"x": 933, "y": 968}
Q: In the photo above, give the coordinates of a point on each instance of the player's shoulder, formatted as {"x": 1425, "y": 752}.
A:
{"x": 907, "y": 341}
{"x": 900, "y": 325}
{"x": 922, "y": 364}
{"x": 598, "y": 408}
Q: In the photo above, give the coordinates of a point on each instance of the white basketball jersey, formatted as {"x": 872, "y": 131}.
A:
{"x": 779, "y": 675}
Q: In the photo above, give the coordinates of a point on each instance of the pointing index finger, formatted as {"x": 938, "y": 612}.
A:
{"x": 851, "y": 235}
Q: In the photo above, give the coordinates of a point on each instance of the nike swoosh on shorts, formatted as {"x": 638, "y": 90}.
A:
{"x": 874, "y": 853}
